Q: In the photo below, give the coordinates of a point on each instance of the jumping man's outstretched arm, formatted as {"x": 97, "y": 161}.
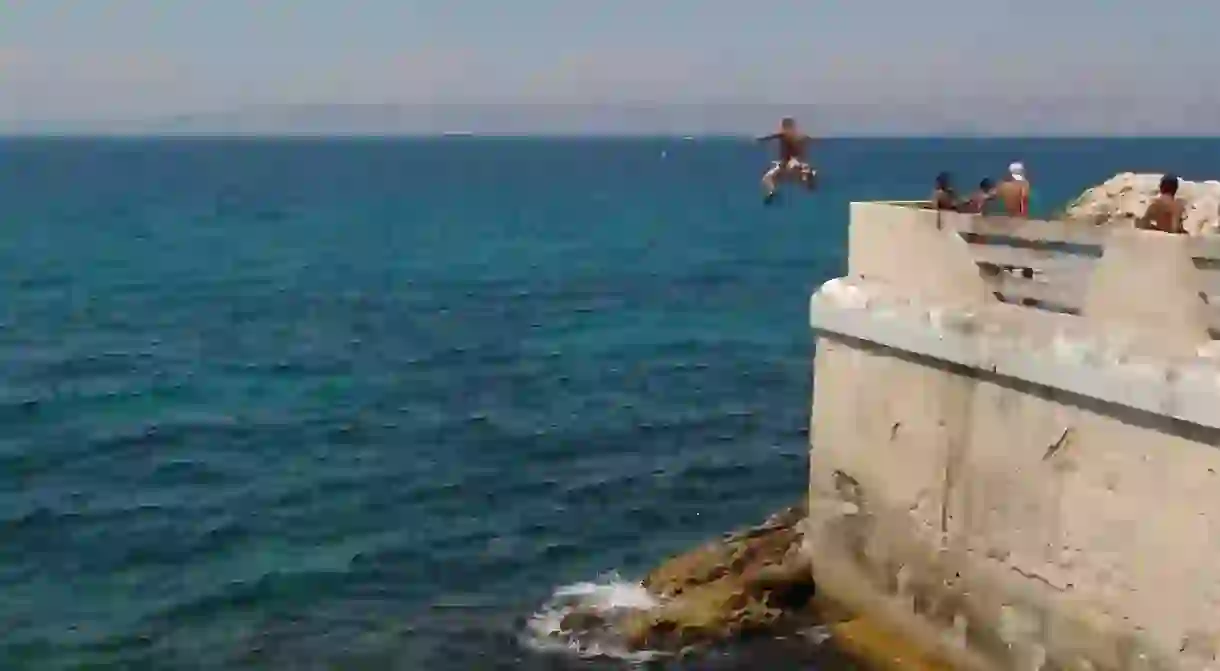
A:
{"x": 764, "y": 138}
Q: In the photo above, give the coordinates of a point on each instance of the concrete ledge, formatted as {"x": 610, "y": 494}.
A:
{"x": 1187, "y": 390}
{"x": 1039, "y": 488}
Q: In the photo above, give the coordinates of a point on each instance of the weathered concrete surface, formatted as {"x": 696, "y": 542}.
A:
{"x": 1039, "y": 489}
{"x": 1123, "y": 198}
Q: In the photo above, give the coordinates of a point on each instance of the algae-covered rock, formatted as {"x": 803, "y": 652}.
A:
{"x": 883, "y": 649}
{"x": 736, "y": 554}
{"x": 752, "y": 582}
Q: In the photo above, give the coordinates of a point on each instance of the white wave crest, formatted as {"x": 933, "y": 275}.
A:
{"x": 602, "y": 601}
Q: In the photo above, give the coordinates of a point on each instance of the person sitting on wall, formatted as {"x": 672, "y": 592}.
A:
{"x": 1165, "y": 213}
{"x": 977, "y": 203}
{"x": 1013, "y": 192}
{"x": 943, "y": 196}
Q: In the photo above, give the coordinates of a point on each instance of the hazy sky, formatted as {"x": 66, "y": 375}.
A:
{"x": 123, "y": 59}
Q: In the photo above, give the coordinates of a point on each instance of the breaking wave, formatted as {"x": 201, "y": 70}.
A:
{"x": 578, "y": 619}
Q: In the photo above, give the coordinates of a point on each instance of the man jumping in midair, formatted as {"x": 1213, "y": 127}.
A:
{"x": 791, "y": 163}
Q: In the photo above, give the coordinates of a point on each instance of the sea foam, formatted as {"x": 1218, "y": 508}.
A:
{"x": 609, "y": 597}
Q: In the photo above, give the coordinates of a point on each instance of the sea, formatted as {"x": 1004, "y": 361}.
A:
{"x": 390, "y": 403}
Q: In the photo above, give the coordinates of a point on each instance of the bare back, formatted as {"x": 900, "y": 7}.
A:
{"x": 977, "y": 204}
{"x": 1014, "y": 196}
{"x": 1165, "y": 213}
{"x": 945, "y": 199}
{"x": 791, "y": 146}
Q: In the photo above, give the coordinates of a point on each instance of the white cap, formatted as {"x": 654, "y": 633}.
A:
{"x": 1017, "y": 170}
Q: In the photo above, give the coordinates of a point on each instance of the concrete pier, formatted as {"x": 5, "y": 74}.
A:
{"x": 1015, "y": 447}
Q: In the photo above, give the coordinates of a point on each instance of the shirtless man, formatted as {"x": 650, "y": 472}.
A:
{"x": 977, "y": 203}
{"x": 791, "y": 163}
{"x": 1166, "y": 212}
{"x": 944, "y": 197}
{"x": 1013, "y": 192}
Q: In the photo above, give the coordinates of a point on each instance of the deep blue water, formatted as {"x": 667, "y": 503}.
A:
{"x": 365, "y": 404}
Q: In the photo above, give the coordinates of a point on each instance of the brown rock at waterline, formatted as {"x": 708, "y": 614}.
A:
{"x": 769, "y": 543}
{"x": 755, "y": 583}
{"x": 747, "y": 584}
{"x": 752, "y": 582}
{"x": 582, "y": 621}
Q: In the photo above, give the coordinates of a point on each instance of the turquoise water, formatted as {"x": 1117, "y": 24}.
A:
{"x": 366, "y": 404}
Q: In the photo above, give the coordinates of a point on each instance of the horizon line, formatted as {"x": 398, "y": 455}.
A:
{"x": 459, "y": 136}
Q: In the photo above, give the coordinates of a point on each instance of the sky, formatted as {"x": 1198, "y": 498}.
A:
{"x": 128, "y": 60}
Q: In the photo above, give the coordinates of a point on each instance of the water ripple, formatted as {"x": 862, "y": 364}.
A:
{"x": 289, "y": 405}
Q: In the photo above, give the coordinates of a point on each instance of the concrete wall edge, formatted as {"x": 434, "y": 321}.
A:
{"x": 1189, "y": 393}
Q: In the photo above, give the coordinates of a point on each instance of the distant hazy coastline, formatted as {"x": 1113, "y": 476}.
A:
{"x": 1030, "y": 117}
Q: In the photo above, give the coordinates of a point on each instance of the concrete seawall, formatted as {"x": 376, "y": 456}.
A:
{"x": 1016, "y": 439}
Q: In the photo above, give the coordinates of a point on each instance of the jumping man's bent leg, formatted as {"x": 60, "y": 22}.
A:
{"x": 809, "y": 177}
{"x": 768, "y": 182}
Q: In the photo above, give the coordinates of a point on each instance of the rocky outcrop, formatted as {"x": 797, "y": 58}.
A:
{"x": 750, "y": 584}
{"x": 753, "y": 582}
{"x": 1123, "y": 198}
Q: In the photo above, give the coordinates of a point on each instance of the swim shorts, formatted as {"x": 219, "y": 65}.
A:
{"x": 793, "y": 165}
